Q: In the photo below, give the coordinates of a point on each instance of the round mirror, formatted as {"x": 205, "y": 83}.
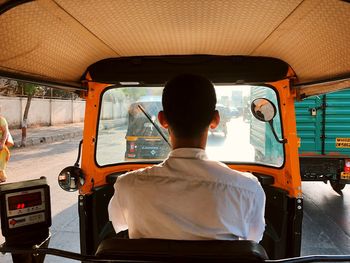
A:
{"x": 263, "y": 109}
{"x": 71, "y": 178}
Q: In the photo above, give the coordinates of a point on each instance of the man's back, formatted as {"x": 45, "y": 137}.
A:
{"x": 189, "y": 197}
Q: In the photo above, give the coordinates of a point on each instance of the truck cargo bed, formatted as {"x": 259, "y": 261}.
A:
{"x": 323, "y": 126}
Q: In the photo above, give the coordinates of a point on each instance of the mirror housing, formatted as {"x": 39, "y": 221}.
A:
{"x": 263, "y": 109}
{"x": 71, "y": 178}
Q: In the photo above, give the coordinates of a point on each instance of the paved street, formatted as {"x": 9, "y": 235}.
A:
{"x": 326, "y": 226}
{"x": 326, "y": 222}
{"x": 48, "y": 160}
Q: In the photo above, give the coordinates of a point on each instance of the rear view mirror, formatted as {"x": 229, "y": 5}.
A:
{"x": 263, "y": 109}
{"x": 71, "y": 178}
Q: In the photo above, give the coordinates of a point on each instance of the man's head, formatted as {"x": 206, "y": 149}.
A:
{"x": 189, "y": 105}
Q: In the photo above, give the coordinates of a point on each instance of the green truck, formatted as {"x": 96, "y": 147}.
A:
{"x": 323, "y": 126}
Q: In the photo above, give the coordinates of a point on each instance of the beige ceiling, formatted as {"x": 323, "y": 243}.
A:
{"x": 60, "y": 39}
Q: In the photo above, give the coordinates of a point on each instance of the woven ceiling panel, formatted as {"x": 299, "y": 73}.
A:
{"x": 306, "y": 40}
{"x": 38, "y": 41}
{"x": 59, "y": 39}
{"x": 160, "y": 27}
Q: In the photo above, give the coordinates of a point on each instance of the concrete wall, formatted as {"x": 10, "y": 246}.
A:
{"x": 78, "y": 111}
{"x": 113, "y": 114}
{"x": 42, "y": 112}
{"x": 39, "y": 112}
{"x": 46, "y": 112}
{"x": 11, "y": 109}
{"x": 62, "y": 111}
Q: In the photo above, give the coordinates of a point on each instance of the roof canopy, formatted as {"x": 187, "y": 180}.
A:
{"x": 58, "y": 40}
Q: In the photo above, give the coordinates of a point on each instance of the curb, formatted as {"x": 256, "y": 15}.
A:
{"x": 31, "y": 141}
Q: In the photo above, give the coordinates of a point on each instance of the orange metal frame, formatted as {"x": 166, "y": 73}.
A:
{"x": 287, "y": 177}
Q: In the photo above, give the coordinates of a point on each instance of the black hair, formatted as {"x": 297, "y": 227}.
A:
{"x": 189, "y": 104}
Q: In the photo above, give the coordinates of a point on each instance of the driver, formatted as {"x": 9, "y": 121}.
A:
{"x": 188, "y": 196}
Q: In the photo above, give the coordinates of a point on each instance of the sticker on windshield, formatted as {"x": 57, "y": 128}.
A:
{"x": 342, "y": 142}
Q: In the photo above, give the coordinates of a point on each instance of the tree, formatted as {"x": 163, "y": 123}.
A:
{"x": 30, "y": 90}
{"x": 10, "y": 87}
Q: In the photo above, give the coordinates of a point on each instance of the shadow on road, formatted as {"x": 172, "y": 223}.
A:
{"x": 51, "y": 149}
{"x": 65, "y": 233}
{"x": 325, "y": 228}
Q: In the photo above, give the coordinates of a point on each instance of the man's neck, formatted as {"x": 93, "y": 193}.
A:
{"x": 198, "y": 142}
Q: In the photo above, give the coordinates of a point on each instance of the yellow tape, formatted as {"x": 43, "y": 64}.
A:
{"x": 342, "y": 142}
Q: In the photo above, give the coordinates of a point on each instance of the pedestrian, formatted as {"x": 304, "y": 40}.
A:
{"x": 5, "y": 141}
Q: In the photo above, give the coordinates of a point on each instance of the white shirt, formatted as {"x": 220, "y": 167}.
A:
{"x": 188, "y": 197}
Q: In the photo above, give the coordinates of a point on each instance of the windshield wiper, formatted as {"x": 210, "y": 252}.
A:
{"x": 154, "y": 124}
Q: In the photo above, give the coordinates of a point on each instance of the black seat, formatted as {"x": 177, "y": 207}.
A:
{"x": 161, "y": 250}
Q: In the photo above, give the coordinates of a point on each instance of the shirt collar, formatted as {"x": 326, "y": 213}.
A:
{"x": 189, "y": 153}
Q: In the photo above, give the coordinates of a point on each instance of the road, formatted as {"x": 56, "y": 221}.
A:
{"x": 326, "y": 225}
{"x": 48, "y": 160}
{"x": 326, "y": 221}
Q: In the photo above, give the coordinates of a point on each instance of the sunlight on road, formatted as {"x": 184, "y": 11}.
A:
{"x": 235, "y": 147}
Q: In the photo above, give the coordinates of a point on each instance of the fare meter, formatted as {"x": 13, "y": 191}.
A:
{"x": 25, "y": 212}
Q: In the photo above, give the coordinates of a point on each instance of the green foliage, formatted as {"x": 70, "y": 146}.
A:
{"x": 9, "y": 87}
{"x": 32, "y": 90}
{"x": 135, "y": 93}
{"x": 58, "y": 93}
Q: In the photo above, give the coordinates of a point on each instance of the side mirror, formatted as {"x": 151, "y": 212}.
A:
{"x": 263, "y": 109}
{"x": 71, "y": 178}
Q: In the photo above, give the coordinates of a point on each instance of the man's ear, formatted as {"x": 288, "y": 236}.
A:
{"x": 162, "y": 120}
{"x": 215, "y": 120}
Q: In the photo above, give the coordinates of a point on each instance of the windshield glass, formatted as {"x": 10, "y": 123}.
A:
{"x": 125, "y": 134}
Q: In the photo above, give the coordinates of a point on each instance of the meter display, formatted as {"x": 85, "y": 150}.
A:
{"x": 25, "y": 210}
{"x": 24, "y": 201}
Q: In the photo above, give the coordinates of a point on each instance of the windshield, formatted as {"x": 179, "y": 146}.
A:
{"x": 125, "y": 134}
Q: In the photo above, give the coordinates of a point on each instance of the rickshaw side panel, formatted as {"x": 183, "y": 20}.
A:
{"x": 282, "y": 235}
{"x": 93, "y": 218}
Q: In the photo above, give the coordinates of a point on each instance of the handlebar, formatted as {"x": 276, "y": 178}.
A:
{"x": 61, "y": 253}
{"x": 92, "y": 258}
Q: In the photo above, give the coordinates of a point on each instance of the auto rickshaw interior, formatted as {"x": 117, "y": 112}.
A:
{"x": 268, "y": 160}
{"x": 118, "y": 55}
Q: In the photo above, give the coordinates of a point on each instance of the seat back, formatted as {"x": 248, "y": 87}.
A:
{"x": 161, "y": 250}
